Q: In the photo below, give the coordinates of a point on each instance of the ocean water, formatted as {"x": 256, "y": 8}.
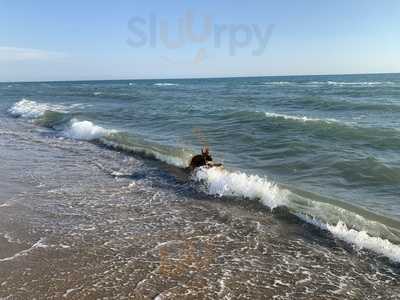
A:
{"x": 311, "y": 164}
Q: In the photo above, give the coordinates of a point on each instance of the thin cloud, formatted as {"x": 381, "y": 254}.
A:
{"x": 13, "y": 54}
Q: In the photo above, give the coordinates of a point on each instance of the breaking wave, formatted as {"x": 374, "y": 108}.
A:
{"x": 85, "y": 130}
{"x": 57, "y": 118}
{"x": 350, "y": 227}
{"x": 359, "y": 239}
{"x": 223, "y": 183}
{"x": 32, "y": 109}
{"x": 120, "y": 141}
{"x": 134, "y": 144}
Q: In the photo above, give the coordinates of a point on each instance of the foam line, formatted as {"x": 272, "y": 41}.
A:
{"x": 360, "y": 239}
{"x": 297, "y": 118}
{"x": 38, "y": 244}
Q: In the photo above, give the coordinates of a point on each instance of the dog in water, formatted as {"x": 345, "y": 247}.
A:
{"x": 203, "y": 160}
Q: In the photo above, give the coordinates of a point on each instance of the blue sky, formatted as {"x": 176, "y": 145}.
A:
{"x": 81, "y": 40}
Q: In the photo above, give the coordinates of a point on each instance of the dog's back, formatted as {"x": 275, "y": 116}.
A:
{"x": 197, "y": 161}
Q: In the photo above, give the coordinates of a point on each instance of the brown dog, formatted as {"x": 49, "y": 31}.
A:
{"x": 200, "y": 159}
{"x": 203, "y": 159}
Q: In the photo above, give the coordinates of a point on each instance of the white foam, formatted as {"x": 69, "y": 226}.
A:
{"x": 38, "y": 244}
{"x": 365, "y": 83}
{"x": 118, "y": 174}
{"x": 165, "y": 84}
{"x": 220, "y": 182}
{"x": 69, "y": 291}
{"x": 85, "y": 130}
{"x": 316, "y": 82}
{"x": 335, "y": 83}
{"x": 278, "y": 83}
{"x": 350, "y": 83}
{"x": 32, "y": 109}
{"x": 223, "y": 183}
{"x": 360, "y": 239}
{"x": 297, "y": 118}
{"x": 10, "y": 239}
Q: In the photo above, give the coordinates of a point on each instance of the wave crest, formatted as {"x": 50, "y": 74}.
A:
{"x": 85, "y": 130}
{"x": 131, "y": 144}
{"x": 297, "y": 118}
{"x": 365, "y": 233}
{"x": 332, "y": 83}
{"x": 279, "y": 83}
{"x": 223, "y": 183}
{"x": 31, "y": 109}
{"x": 364, "y": 83}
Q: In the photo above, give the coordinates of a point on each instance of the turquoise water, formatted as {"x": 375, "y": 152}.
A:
{"x": 326, "y": 147}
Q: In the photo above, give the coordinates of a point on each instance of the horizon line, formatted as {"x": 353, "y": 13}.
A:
{"x": 201, "y": 77}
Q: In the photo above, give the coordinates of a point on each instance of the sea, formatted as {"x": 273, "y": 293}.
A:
{"x": 97, "y": 201}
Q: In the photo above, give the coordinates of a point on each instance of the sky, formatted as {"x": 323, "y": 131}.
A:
{"x": 90, "y": 40}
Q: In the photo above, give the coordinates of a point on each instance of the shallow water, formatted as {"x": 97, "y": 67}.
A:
{"x": 94, "y": 201}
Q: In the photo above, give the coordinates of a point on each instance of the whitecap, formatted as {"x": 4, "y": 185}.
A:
{"x": 32, "y": 109}
{"x": 220, "y": 182}
{"x": 278, "y": 83}
{"x": 298, "y": 118}
{"x": 364, "y": 83}
{"x": 165, "y": 84}
{"x": 85, "y": 130}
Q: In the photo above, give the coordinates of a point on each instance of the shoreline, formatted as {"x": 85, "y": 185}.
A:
{"x": 150, "y": 236}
